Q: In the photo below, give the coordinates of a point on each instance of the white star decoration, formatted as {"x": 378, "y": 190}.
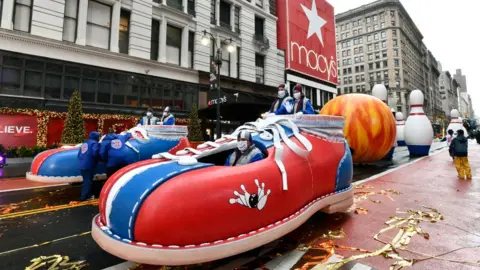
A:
{"x": 316, "y": 22}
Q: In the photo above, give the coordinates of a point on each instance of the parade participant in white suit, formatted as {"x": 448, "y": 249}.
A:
{"x": 167, "y": 118}
{"x": 283, "y": 98}
{"x": 149, "y": 119}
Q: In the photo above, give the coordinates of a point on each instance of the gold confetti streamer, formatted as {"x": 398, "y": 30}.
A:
{"x": 56, "y": 262}
{"x": 44, "y": 243}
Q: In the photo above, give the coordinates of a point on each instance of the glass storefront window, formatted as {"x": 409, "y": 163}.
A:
{"x": 118, "y": 96}
{"x": 89, "y": 88}
{"x": 10, "y": 84}
{"x": 145, "y": 97}
{"x": 104, "y": 90}
{"x": 37, "y": 77}
{"x": 132, "y": 92}
{"x": 33, "y": 84}
{"x": 53, "y": 86}
{"x": 70, "y": 85}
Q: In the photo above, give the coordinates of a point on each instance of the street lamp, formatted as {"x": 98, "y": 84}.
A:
{"x": 217, "y": 50}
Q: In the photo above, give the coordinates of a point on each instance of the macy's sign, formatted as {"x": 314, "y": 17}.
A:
{"x": 313, "y": 60}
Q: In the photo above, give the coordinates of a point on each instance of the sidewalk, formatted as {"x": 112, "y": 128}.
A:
{"x": 430, "y": 182}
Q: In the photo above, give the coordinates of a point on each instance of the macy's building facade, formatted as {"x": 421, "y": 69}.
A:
{"x": 125, "y": 55}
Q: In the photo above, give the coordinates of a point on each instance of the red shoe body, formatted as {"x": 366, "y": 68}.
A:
{"x": 164, "y": 211}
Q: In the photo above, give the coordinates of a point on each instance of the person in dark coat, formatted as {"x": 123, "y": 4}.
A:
{"x": 459, "y": 148}
{"x": 105, "y": 146}
{"x": 88, "y": 156}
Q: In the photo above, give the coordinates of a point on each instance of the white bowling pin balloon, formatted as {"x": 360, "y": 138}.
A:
{"x": 380, "y": 91}
{"x": 400, "y": 129}
{"x": 418, "y": 128}
{"x": 456, "y": 123}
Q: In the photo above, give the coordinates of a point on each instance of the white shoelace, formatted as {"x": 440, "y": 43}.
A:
{"x": 273, "y": 124}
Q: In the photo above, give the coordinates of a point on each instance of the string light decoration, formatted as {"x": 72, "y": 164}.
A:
{"x": 43, "y": 118}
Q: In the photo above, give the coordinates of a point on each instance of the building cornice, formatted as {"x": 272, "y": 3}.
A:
{"x": 90, "y": 51}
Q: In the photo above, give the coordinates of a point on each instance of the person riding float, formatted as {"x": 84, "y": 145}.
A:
{"x": 167, "y": 119}
{"x": 246, "y": 151}
{"x": 282, "y": 99}
{"x": 149, "y": 119}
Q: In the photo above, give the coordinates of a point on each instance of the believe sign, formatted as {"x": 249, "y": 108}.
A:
{"x": 306, "y": 31}
{"x": 18, "y": 130}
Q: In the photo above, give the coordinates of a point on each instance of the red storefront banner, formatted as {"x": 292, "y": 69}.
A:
{"x": 21, "y": 130}
{"x": 18, "y": 130}
{"x": 306, "y": 31}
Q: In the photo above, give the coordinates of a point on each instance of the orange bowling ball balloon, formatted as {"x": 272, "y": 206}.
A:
{"x": 369, "y": 125}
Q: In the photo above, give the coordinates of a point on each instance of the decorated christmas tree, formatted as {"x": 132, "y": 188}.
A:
{"x": 194, "y": 128}
{"x": 73, "y": 131}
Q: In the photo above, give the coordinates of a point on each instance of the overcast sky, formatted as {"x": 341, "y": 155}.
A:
{"x": 448, "y": 29}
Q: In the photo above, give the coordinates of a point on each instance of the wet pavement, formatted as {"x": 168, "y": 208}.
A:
{"x": 47, "y": 214}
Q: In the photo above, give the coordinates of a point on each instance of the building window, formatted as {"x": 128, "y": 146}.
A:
{"x": 226, "y": 59}
{"x": 394, "y": 33}
{"x": 177, "y": 4}
{"x": 191, "y": 44}
{"x": 98, "y": 24}
{"x": 396, "y": 62}
{"x": 70, "y": 21}
{"x": 123, "y": 37}
{"x": 273, "y": 7}
{"x": 238, "y": 62}
{"x": 53, "y": 86}
{"x": 174, "y": 44}
{"x": 22, "y": 15}
{"x": 225, "y": 14}
{"x": 369, "y": 38}
{"x": 213, "y": 12}
{"x": 384, "y": 34}
{"x": 375, "y": 27}
{"x": 259, "y": 3}
{"x": 259, "y": 68}
{"x": 155, "y": 40}
{"x": 395, "y": 52}
{"x": 191, "y": 7}
{"x": 375, "y": 36}
{"x": 237, "y": 19}
{"x": 384, "y": 44}
{"x": 259, "y": 27}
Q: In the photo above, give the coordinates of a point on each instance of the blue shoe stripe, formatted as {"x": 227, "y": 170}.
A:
{"x": 345, "y": 170}
{"x": 127, "y": 203}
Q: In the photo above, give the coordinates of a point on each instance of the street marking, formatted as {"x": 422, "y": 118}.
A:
{"x": 18, "y": 189}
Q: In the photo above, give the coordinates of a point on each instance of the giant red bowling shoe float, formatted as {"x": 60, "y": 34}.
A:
{"x": 369, "y": 125}
{"x": 188, "y": 208}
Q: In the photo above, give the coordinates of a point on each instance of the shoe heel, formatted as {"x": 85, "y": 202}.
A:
{"x": 340, "y": 206}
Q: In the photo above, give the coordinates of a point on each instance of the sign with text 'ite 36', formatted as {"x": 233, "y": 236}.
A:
{"x": 306, "y": 31}
{"x": 18, "y": 130}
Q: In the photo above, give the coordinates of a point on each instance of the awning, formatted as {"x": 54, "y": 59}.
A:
{"x": 236, "y": 105}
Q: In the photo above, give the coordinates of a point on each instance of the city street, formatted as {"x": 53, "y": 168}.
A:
{"x": 46, "y": 221}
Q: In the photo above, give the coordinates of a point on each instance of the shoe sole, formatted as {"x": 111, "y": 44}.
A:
{"x": 61, "y": 179}
{"x": 155, "y": 254}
